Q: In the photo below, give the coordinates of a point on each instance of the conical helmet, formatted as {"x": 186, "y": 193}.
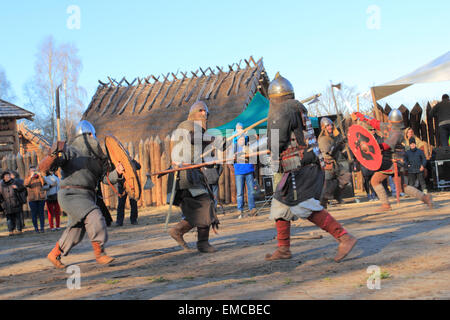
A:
{"x": 280, "y": 86}
{"x": 324, "y": 122}
{"x": 85, "y": 126}
{"x": 395, "y": 117}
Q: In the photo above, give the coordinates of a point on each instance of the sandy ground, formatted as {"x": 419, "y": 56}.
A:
{"x": 409, "y": 245}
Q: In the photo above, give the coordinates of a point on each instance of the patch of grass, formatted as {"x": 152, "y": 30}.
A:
{"x": 385, "y": 275}
{"x": 188, "y": 278}
{"x": 112, "y": 281}
{"x": 327, "y": 279}
{"x": 287, "y": 281}
{"x": 159, "y": 279}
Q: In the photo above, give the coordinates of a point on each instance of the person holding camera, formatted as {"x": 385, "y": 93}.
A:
{"x": 36, "y": 197}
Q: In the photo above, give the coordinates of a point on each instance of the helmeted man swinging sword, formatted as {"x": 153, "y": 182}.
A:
{"x": 83, "y": 165}
{"x": 392, "y": 151}
{"x": 298, "y": 192}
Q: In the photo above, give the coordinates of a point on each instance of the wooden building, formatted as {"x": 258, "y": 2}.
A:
{"x": 30, "y": 140}
{"x": 9, "y": 137}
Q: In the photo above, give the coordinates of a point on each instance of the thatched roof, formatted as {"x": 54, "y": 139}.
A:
{"x": 9, "y": 110}
{"x": 156, "y": 105}
{"x": 34, "y": 136}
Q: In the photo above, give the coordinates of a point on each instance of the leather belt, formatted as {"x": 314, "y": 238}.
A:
{"x": 77, "y": 187}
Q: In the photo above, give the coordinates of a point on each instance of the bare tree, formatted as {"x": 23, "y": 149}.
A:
{"x": 55, "y": 65}
{"x": 6, "y": 92}
{"x": 346, "y": 100}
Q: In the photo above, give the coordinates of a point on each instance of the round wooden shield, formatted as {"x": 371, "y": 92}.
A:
{"x": 117, "y": 153}
{"x": 364, "y": 147}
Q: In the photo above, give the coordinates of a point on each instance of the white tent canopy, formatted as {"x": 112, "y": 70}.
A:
{"x": 435, "y": 71}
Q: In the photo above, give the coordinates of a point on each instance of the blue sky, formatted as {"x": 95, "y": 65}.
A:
{"x": 309, "y": 42}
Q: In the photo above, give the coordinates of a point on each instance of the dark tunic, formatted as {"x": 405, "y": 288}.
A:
{"x": 192, "y": 193}
{"x": 83, "y": 164}
{"x": 286, "y": 117}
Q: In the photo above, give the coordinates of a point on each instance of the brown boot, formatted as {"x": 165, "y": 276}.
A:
{"x": 280, "y": 253}
{"x": 178, "y": 231}
{"x": 427, "y": 199}
{"x": 253, "y": 212}
{"x": 346, "y": 244}
{"x": 202, "y": 243}
{"x": 284, "y": 241}
{"x": 100, "y": 254}
{"x": 384, "y": 207}
{"x": 55, "y": 257}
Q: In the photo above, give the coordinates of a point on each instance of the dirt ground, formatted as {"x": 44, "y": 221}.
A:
{"x": 409, "y": 245}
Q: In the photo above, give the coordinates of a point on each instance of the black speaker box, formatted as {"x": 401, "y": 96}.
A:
{"x": 268, "y": 185}
{"x": 443, "y": 153}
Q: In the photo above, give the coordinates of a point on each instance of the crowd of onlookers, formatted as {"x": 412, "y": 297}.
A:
{"x": 35, "y": 190}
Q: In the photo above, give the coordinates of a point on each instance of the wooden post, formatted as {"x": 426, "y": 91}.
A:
{"x": 378, "y": 116}
{"x": 20, "y": 166}
{"x": 157, "y": 151}
{"x": 227, "y": 185}
{"x": 147, "y": 169}
{"x": 153, "y": 169}
{"x": 222, "y": 186}
{"x": 165, "y": 165}
{"x": 233, "y": 186}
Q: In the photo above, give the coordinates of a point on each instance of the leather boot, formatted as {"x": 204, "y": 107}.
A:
{"x": 326, "y": 222}
{"x": 280, "y": 253}
{"x": 55, "y": 257}
{"x": 346, "y": 244}
{"x": 202, "y": 243}
{"x": 427, "y": 199}
{"x": 178, "y": 231}
{"x": 100, "y": 254}
{"x": 384, "y": 208}
{"x": 284, "y": 241}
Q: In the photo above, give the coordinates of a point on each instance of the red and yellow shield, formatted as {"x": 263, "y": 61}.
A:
{"x": 117, "y": 153}
{"x": 364, "y": 147}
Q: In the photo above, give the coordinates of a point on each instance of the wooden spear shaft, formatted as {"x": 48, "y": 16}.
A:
{"x": 195, "y": 166}
{"x": 339, "y": 120}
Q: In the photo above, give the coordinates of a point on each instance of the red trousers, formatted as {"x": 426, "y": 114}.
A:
{"x": 54, "y": 211}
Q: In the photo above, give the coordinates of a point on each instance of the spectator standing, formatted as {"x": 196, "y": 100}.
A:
{"x": 442, "y": 112}
{"x": 243, "y": 174}
{"x": 36, "y": 197}
{"x": 23, "y": 195}
{"x": 415, "y": 161}
{"x": 123, "y": 199}
{"x": 52, "y": 188}
{"x": 11, "y": 200}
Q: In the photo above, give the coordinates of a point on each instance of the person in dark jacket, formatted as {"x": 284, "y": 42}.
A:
{"x": 11, "y": 203}
{"x": 441, "y": 111}
{"x": 415, "y": 162}
{"x": 122, "y": 201}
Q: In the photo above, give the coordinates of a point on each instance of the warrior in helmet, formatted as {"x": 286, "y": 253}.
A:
{"x": 83, "y": 166}
{"x": 392, "y": 150}
{"x": 298, "y": 192}
{"x": 331, "y": 144}
{"x": 193, "y": 194}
